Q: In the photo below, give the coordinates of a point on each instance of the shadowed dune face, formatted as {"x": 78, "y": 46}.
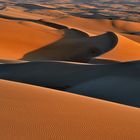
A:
{"x": 102, "y": 79}
{"x": 75, "y": 46}
{"x": 120, "y": 89}
{"x": 32, "y": 118}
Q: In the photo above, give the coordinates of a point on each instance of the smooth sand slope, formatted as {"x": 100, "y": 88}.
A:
{"x": 125, "y": 50}
{"x": 18, "y": 38}
{"x": 100, "y": 81}
{"x": 29, "y": 112}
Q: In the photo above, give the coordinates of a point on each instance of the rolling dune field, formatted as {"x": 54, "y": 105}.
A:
{"x": 69, "y": 70}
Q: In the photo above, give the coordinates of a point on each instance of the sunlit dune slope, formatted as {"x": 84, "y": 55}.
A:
{"x": 126, "y": 50}
{"x": 18, "y": 38}
{"x": 126, "y": 26}
{"x": 29, "y": 112}
{"x": 98, "y": 26}
{"x": 100, "y": 81}
{"x": 17, "y": 12}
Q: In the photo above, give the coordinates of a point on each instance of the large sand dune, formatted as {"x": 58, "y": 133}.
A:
{"x": 100, "y": 81}
{"x": 63, "y": 49}
{"x": 53, "y": 47}
{"x": 92, "y": 27}
{"x": 29, "y": 112}
{"x": 75, "y": 46}
{"x": 64, "y": 77}
{"x": 18, "y": 38}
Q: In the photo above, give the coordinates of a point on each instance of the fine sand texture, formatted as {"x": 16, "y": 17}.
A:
{"x": 69, "y": 70}
{"x": 29, "y": 112}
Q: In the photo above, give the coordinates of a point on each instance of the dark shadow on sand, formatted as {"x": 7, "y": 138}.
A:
{"x": 113, "y": 82}
{"x": 75, "y": 46}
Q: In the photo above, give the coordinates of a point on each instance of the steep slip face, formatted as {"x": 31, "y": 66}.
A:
{"x": 29, "y": 112}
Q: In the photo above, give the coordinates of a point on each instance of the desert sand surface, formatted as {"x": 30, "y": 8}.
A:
{"x": 29, "y": 112}
{"x": 100, "y": 81}
{"x": 125, "y": 50}
{"x": 69, "y": 70}
{"x": 19, "y": 38}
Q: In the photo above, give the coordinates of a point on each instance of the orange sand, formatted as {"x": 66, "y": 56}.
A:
{"x": 29, "y": 112}
{"x": 19, "y": 38}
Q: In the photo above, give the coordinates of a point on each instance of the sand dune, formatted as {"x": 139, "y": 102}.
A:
{"x": 20, "y": 13}
{"x": 18, "y": 38}
{"x": 16, "y": 12}
{"x": 119, "y": 53}
{"x": 75, "y": 46}
{"x": 120, "y": 89}
{"x": 102, "y": 79}
{"x": 70, "y": 77}
{"x": 64, "y": 49}
{"x": 91, "y": 26}
{"x": 133, "y": 37}
{"x": 29, "y": 112}
{"x": 126, "y": 26}
{"x": 99, "y": 25}
{"x": 125, "y": 50}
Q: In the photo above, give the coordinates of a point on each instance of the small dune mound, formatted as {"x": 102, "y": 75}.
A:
{"x": 126, "y": 26}
{"x": 41, "y": 113}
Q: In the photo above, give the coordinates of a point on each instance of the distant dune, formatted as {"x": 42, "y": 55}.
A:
{"x": 100, "y": 25}
{"x": 29, "y": 112}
